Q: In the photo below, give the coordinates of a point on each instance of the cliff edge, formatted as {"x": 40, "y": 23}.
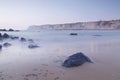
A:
{"x": 100, "y": 25}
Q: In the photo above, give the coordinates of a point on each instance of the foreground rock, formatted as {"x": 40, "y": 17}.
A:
{"x": 7, "y": 44}
{"x": 31, "y": 46}
{"x": 0, "y": 46}
{"x": 76, "y": 60}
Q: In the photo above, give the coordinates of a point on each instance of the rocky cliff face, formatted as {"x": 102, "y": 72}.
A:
{"x": 109, "y": 25}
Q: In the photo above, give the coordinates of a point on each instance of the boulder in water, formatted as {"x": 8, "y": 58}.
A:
{"x": 10, "y": 29}
{"x": 5, "y": 35}
{"x": 6, "y": 44}
{"x": 0, "y": 46}
{"x": 76, "y": 60}
{"x": 31, "y": 46}
{"x": 73, "y": 34}
{"x": 3, "y": 30}
{"x": 14, "y": 37}
{"x": 0, "y": 36}
{"x": 23, "y": 39}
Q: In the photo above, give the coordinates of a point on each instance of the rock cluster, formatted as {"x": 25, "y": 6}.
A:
{"x": 5, "y": 36}
{"x": 8, "y": 29}
{"x": 14, "y": 37}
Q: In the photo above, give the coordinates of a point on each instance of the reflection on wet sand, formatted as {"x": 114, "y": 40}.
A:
{"x": 45, "y": 63}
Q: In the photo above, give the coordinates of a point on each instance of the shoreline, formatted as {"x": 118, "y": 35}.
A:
{"x": 48, "y": 66}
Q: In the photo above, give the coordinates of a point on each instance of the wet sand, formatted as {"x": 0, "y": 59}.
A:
{"x": 44, "y": 63}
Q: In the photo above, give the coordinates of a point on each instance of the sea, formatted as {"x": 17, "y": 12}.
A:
{"x": 43, "y": 37}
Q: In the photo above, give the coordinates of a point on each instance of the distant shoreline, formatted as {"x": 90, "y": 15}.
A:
{"x": 92, "y": 25}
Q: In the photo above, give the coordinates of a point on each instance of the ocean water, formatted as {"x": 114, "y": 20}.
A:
{"x": 48, "y": 38}
{"x": 62, "y": 36}
{"x": 87, "y": 40}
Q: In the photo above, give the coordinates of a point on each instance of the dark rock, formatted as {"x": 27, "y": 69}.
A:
{"x": 23, "y": 39}
{"x": 6, "y": 44}
{"x": 10, "y": 30}
{"x": 73, "y": 34}
{"x": 3, "y": 30}
{"x": 14, "y": 37}
{"x": 0, "y": 36}
{"x": 5, "y": 35}
{"x": 0, "y": 46}
{"x": 76, "y": 60}
{"x": 32, "y": 46}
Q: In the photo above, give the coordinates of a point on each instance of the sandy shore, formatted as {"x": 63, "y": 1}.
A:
{"x": 44, "y": 63}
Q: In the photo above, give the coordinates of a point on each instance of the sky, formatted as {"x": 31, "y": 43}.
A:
{"x": 19, "y": 14}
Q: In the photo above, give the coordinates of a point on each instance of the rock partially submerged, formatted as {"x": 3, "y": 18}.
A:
{"x": 3, "y": 30}
{"x": 23, "y": 39}
{"x": 7, "y": 44}
{"x": 0, "y": 36}
{"x": 31, "y": 46}
{"x": 5, "y": 35}
{"x": 11, "y": 29}
{"x": 0, "y": 46}
{"x": 73, "y": 34}
{"x": 76, "y": 60}
{"x": 14, "y": 37}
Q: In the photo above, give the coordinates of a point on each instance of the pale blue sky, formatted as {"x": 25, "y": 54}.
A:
{"x": 20, "y": 14}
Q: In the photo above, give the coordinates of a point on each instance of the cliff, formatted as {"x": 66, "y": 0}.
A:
{"x": 100, "y": 25}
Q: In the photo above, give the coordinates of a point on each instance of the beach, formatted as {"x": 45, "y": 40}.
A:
{"x": 18, "y": 62}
